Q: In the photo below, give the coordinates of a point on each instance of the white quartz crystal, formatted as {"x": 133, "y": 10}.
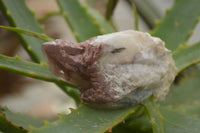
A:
{"x": 143, "y": 63}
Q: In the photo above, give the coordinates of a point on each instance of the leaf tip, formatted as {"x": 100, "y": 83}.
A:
{"x": 32, "y": 12}
{"x": 43, "y": 63}
{"x": 72, "y": 109}
{"x": 75, "y": 34}
{"x": 63, "y": 13}
{"x": 8, "y": 13}
{"x": 156, "y": 21}
{"x": 167, "y": 10}
{"x": 29, "y": 48}
{"x": 16, "y": 57}
{"x": 45, "y": 122}
{"x": 182, "y": 46}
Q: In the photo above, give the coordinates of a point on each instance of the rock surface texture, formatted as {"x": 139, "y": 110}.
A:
{"x": 114, "y": 70}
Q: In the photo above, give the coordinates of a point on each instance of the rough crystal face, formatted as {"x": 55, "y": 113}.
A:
{"x": 114, "y": 70}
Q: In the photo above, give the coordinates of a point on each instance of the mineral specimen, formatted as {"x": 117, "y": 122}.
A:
{"x": 114, "y": 70}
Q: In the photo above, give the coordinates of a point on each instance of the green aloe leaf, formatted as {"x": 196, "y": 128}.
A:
{"x": 147, "y": 10}
{"x": 16, "y": 123}
{"x": 173, "y": 120}
{"x": 191, "y": 109}
{"x": 154, "y": 114}
{"x": 87, "y": 120}
{"x": 27, "y": 32}
{"x": 181, "y": 108}
{"x": 22, "y": 121}
{"x": 136, "y": 17}
{"x": 48, "y": 15}
{"x": 110, "y": 8}
{"x": 137, "y": 124}
{"x": 184, "y": 96}
{"x": 38, "y": 71}
{"x": 7, "y": 127}
{"x": 176, "y": 122}
{"x": 101, "y": 21}
{"x": 145, "y": 120}
{"x": 80, "y": 20}
{"x": 186, "y": 56}
{"x": 177, "y": 25}
{"x": 20, "y": 16}
{"x": 90, "y": 120}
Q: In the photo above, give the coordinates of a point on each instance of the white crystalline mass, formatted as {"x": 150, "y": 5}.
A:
{"x": 142, "y": 62}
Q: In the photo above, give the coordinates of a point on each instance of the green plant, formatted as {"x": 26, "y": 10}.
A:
{"x": 178, "y": 113}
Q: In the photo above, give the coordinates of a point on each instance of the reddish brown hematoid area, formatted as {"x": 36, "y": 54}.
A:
{"x": 76, "y": 61}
